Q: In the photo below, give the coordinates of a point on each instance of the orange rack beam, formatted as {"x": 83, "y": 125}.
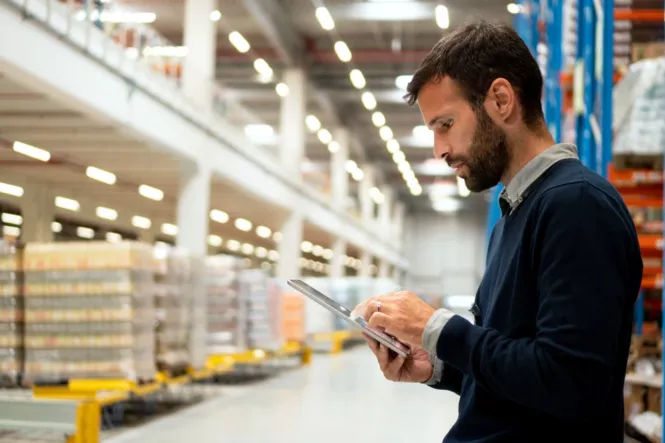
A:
{"x": 641, "y": 15}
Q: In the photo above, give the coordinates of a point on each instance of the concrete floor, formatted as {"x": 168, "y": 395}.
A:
{"x": 336, "y": 399}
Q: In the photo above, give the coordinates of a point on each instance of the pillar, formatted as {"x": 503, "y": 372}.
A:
{"x": 366, "y": 267}
{"x": 289, "y": 247}
{"x": 193, "y": 209}
{"x": 399, "y": 213}
{"x": 384, "y": 269}
{"x": 200, "y": 64}
{"x": 292, "y": 122}
{"x": 337, "y": 263}
{"x": 38, "y": 210}
{"x": 339, "y": 177}
{"x": 385, "y": 211}
{"x": 366, "y": 202}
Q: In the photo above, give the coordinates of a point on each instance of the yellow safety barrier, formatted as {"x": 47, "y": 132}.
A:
{"x": 87, "y": 423}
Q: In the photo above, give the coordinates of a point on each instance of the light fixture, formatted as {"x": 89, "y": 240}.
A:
{"x": 31, "y": 151}
{"x": 56, "y": 226}
{"x": 513, "y": 8}
{"x": 306, "y": 246}
{"x": 84, "y": 232}
{"x": 358, "y": 175}
{"x": 219, "y": 216}
{"x": 399, "y": 157}
{"x": 263, "y": 68}
{"x": 214, "y": 240}
{"x": 266, "y": 266}
{"x": 239, "y": 42}
{"x": 141, "y": 222}
{"x": 243, "y": 224}
{"x": 113, "y": 237}
{"x": 328, "y": 254}
{"x": 151, "y": 193}
{"x": 343, "y": 51}
{"x": 392, "y": 146}
{"x": 402, "y": 81}
{"x": 386, "y": 133}
{"x": 446, "y": 205}
{"x": 312, "y": 123}
{"x": 282, "y": 89}
{"x": 369, "y": 102}
{"x": 273, "y": 255}
{"x": 350, "y": 166}
{"x": 378, "y": 119}
{"x": 416, "y": 189}
{"x": 357, "y": 78}
{"x": 12, "y": 219}
{"x": 409, "y": 175}
{"x": 261, "y": 252}
{"x": 376, "y": 195}
{"x": 100, "y": 175}
{"x": 67, "y": 203}
{"x": 461, "y": 188}
{"x": 247, "y": 249}
{"x": 106, "y": 213}
{"x": 403, "y": 167}
{"x": 233, "y": 245}
{"x": 324, "y": 136}
{"x": 169, "y": 229}
{"x": 325, "y": 19}
{"x": 263, "y": 231}
{"x": 442, "y": 17}
{"x": 11, "y": 231}
{"x": 317, "y": 250}
{"x": 8, "y": 189}
{"x": 333, "y": 147}
{"x": 215, "y": 16}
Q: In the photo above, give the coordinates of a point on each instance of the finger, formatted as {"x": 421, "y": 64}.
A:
{"x": 394, "y": 368}
{"x": 373, "y": 345}
{"x": 380, "y": 321}
{"x": 384, "y": 358}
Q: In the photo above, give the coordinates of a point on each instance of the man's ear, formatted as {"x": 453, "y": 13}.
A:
{"x": 501, "y": 99}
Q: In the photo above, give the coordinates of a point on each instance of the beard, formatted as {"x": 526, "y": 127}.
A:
{"x": 488, "y": 156}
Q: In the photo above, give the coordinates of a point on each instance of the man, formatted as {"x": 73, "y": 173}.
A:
{"x": 545, "y": 360}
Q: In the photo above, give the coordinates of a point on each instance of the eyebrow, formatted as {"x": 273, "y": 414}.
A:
{"x": 435, "y": 120}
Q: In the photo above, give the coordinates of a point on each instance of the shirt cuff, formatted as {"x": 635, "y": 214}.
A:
{"x": 437, "y": 373}
{"x": 433, "y": 329}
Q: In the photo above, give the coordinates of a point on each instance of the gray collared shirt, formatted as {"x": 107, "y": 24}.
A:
{"x": 509, "y": 199}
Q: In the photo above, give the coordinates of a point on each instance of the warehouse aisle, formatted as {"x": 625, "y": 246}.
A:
{"x": 337, "y": 399}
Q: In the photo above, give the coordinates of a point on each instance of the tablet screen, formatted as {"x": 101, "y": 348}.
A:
{"x": 304, "y": 287}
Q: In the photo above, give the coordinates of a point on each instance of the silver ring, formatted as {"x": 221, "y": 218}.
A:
{"x": 378, "y": 306}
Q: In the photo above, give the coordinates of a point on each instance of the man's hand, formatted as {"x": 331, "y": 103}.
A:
{"x": 401, "y": 314}
{"x": 416, "y": 368}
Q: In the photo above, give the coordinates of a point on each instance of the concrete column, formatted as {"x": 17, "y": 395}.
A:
{"x": 200, "y": 38}
{"x": 337, "y": 264}
{"x": 339, "y": 177}
{"x": 289, "y": 247}
{"x": 399, "y": 214}
{"x": 193, "y": 209}
{"x": 292, "y": 121}
{"x": 385, "y": 211}
{"x": 366, "y": 268}
{"x": 37, "y": 209}
{"x": 384, "y": 269}
{"x": 366, "y": 202}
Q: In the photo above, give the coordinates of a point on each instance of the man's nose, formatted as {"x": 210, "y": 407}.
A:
{"x": 441, "y": 149}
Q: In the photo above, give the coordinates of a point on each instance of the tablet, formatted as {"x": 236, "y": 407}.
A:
{"x": 358, "y": 322}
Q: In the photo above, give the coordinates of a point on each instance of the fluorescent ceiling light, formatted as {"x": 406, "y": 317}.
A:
{"x": 151, "y": 193}
{"x": 402, "y": 81}
{"x": 461, "y": 188}
{"x": 386, "y": 133}
{"x": 282, "y": 89}
{"x": 262, "y": 67}
{"x": 277, "y": 237}
{"x": 409, "y": 175}
{"x": 376, "y": 195}
{"x": 12, "y": 219}
{"x": 56, "y": 226}
{"x": 260, "y": 133}
{"x": 113, "y": 237}
{"x": 100, "y": 175}
{"x": 243, "y": 224}
{"x": 11, "y": 231}
{"x": 328, "y": 254}
{"x": 317, "y": 250}
{"x": 240, "y": 43}
{"x": 266, "y": 266}
{"x": 343, "y": 51}
{"x": 446, "y": 205}
{"x": 403, "y": 167}
{"x": 416, "y": 190}
{"x": 324, "y": 136}
{"x": 325, "y": 19}
{"x": 261, "y": 252}
{"x": 263, "y": 231}
{"x": 215, "y": 16}
{"x": 378, "y": 119}
{"x": 247, "y": 249}
{"x": 8, "y": 189}
{"x": 31, "y": 151}
{"x": 392, "y": 146}
{"x": 312, "y": 123}
{"x": 166, "y": 51}
{"x": 399, "y": 157}
{"x": 369, "y": 102}
{"x": 442, "y": 17}
{"x": 333, "y": 147}
{"x": 214, "y": 240}
{"x": 67, "y": 203}
{"x": 141, "y": 222}
{"x": 358, "y": 175}
{"x": 219, "y": 216}
{"x": 233, "y": 245}
{"x": 513, "y": 8}
{"x": 84, "y": 232}
{"x": 357, "y": 78}
{"x": 106, "y": 213}
{"x": 350, "y": 166}
{"x": 169, "y": 229}
{"x": 273, "y": 255}
{"x": 306, "y": 246}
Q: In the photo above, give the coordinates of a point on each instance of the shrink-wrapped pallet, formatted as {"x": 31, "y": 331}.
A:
{"x": 292, "y": 315}
{"x": 89, "y": 311}
{"x": 11, "y": 315}
{"x": 262, "y": 304}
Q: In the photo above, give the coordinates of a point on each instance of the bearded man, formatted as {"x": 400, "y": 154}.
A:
{"x": 545, "y": 358}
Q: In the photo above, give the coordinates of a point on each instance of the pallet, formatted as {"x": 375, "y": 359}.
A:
{"x": 638, "y": 161}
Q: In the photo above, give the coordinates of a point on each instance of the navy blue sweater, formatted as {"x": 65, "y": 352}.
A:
{"x": 546, "y": 359}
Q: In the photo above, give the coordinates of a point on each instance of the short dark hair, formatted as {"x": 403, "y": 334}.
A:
{"x": 477, "y": 53}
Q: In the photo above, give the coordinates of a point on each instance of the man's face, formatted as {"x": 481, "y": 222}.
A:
{"x": 467, "y": 139}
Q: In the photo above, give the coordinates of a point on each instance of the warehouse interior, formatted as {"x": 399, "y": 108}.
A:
{"x": 167, "y": 165}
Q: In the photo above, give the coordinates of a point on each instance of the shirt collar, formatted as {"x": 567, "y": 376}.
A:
{"x": 513, "y": 194}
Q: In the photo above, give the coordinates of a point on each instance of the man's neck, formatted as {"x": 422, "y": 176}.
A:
{"x": 524, "y": 148}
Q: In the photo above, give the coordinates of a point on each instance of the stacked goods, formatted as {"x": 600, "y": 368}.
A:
{"x": 226, "y": 324}
{"x": 88, "y": 311}
{"x": 262, "y": 304}
{"x": 173, "y": 303}
{"x": 11, "y": 315}
{"x": 292, "y": 315}
{"x": 198, "y": 351}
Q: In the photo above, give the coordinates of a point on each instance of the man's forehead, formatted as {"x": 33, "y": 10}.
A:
{"x": 445, "y": 88}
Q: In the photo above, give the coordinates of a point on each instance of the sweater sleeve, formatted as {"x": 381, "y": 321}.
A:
{"x": 584, "y": 259}
{"x": 451, "y": 380}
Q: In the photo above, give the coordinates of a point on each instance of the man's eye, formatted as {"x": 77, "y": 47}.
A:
{"x": 445, "y": 124}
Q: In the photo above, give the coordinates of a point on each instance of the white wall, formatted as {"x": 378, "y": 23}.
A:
{"x": 446, "y": 252}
